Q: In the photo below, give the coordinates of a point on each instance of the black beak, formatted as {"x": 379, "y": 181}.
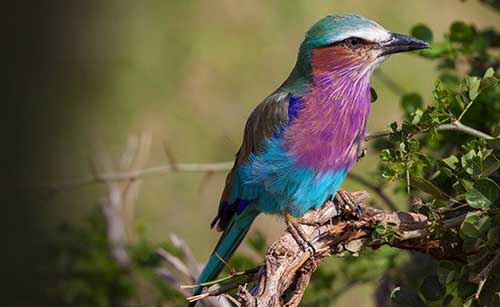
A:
{"x": 402, "y": 43}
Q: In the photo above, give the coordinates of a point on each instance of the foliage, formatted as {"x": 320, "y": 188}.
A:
{"x": 79, "y": 269}
{"x": 454, "y": 172}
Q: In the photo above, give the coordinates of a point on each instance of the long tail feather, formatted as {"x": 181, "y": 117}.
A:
{"x": 229, "y": 241}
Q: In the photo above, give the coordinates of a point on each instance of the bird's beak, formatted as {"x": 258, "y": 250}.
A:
{"x": 402, "y": 43}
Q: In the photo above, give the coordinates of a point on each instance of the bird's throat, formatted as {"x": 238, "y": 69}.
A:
{"x": 330, "y": 125}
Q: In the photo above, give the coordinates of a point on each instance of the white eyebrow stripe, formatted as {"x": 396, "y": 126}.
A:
{"x": 371, "y": 34}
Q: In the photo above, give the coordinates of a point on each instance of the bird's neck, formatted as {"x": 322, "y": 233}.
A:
{"x": 330, "y": 124}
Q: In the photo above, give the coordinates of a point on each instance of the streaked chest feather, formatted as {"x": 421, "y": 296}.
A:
{"x": 331, "y": 123}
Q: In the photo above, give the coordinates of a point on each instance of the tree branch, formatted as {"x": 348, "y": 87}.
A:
{"x": 455, "y": 125}
{"x": 458, "y": 126}
{"x": 289, "y": 266}
{"x": 144, "y": 173}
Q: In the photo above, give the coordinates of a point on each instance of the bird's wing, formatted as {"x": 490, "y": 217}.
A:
{"x": 267, "y": 119}
{"x": 234, "y": 216}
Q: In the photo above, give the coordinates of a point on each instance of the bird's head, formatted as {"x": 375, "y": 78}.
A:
{"x": 350, "y": 42}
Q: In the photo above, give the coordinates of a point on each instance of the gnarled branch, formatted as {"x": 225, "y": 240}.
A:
{"x": 289, "y": 266}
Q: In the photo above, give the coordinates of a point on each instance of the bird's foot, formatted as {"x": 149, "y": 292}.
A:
{"x": 347, "y": 204}
{"x": 298, "y": 233}
{"x": 308, "y": 221}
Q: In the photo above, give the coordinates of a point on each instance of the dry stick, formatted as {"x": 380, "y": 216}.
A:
{"x": 288, "y": 266}
{"x": 187, "y": 254}
{"x": 144, "y": 173}
{"x": 118, "y": 205}
{"x": 482, "y": 277}
{"x": 222, "y": 289}
{"x": 180, "y": 271}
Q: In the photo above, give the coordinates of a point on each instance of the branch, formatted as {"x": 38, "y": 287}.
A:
{"x": 458, "y": 126}
{"x": 144, "y": 173}
{"x": 184, "y": 269}
{"x": 289, "y": 266}
{"x": 118, "y": 204}
{"x": 455, "y": 125}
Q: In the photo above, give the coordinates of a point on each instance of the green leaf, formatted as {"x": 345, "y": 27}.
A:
{"x": 447, "y": 271}
{"x": 468, "y": 162}
{"x": 373, "y": 95}
{"x": 451, "y": 162}
{"x": 494, "y": 235}
{"x": 490, "y": 72}
{"x": 479, "y": 44}
{"x": 476, "y": 199}
{"x": 469, "y": 228}
{"x": 416, "y": 117}
{"x": 432, "y": 289}
{"x": 490, "y": 165}
{"x": 411, "y": 102}
{"x": 405, "y": 297}
{"x": 494, "y": 143}
{"x": 488, "y": 188}
{"x": 484, "y": 224}
{"x": 425, "y": 185}
{"x": 473, "y": 86}
{"x": 422, "y": 32}
{"x": 460, "y": 32}
{"x": 475, "y": 226}
{"x": 385, "y": 155}
{"x": 467, "y": 184}
{"x": 447, "y": 301}
{"x": 488, "y": 82}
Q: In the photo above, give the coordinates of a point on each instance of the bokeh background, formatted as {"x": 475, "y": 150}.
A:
{"x": 86, "y": 73}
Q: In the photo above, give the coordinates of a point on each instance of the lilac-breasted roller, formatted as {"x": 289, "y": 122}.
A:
{"x": 300, "y": 142}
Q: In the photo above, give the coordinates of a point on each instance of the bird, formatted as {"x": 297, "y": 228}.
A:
{"x": 300, "y": 142}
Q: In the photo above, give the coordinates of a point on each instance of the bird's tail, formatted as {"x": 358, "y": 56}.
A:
{"x": 231, "y": 238}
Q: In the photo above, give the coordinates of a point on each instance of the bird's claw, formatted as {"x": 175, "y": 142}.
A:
{"x": 298, "y": 233}
{"x": 347, "y": 205}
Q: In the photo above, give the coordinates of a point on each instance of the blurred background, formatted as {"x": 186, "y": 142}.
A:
{"x": 86, "y": 75}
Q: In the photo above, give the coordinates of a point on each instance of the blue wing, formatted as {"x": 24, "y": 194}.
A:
{"x": 236, "y": 210}
{"x": 268, "y": 119}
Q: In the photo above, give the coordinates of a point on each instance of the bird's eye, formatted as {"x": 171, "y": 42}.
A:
{"x": 354, "y": 41}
